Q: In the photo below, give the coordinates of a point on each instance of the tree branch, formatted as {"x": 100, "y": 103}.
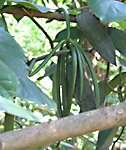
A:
{"x": 71, "y": 126}
{"x": 17, "y": 10}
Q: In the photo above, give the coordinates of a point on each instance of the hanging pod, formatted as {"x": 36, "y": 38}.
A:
{"x": 66, "y": 79}
{"x": 81, "y": 69}
{"x": 93, "y": 75}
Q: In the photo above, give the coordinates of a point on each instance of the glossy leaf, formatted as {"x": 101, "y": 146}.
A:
{"x": 96, "y": 35}
{"x": 74, "y": 34}
{"x": 11, "y": 108}
{"x": 13, "y": 56}
{"x": 108, "y": 10}
{"x": 2, "y": 3}
{"x": 8, "y": 82}
{"x": 29, "y": 91}
{"x": 31, "y": 5}
{"x": 105, "y": 138}
{"x": 119, "y": 39}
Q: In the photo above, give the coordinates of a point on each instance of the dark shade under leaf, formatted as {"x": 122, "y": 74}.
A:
{"x": 119, "y": 39}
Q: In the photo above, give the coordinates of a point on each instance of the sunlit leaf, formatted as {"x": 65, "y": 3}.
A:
{"x": 96, "y": 35}
{"x": 29, "y": 91}
{"x": 31, "y": 5}
{"x": 108, "y": 10}
{"x": 105, "y": 138}
{"x": 13, "y": 56}
{"x": 8, "y": 82}
{"x": 122, "y": 24}
{"x": 9, "y": 107}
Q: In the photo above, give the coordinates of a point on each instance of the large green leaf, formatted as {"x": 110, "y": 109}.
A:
{"x": 108, "y": 10}
{"x": 29, "y": 91}
{"x": 97, "y": 35}
{"x": 11, "y": 108}
{"x": 31, "y": 5}
{"x": 8, "y": 82}
{"x": 119, "y": 39}
{"x": 75, "y": 34}
{"x": 13, "y": 56}
{"x": 105, "y": 138}
{"x": 2, "y": 3}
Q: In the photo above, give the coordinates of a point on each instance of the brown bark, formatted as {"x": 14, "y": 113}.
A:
{"x": 19, "y": 11}
{"x": 71, "y": 126}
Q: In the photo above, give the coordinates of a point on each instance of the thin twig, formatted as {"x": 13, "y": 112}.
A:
{"x": 43, "y": 30}
{"x": 57, "y": 145}
{"x": 107, "y": 71}
{"x": 118, "y": 137}
{"x": 40, "y": 27}
{"x": 20, "y": 125}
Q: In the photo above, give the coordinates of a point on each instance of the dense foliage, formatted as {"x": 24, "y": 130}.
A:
{"x": 49, "y": 71}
